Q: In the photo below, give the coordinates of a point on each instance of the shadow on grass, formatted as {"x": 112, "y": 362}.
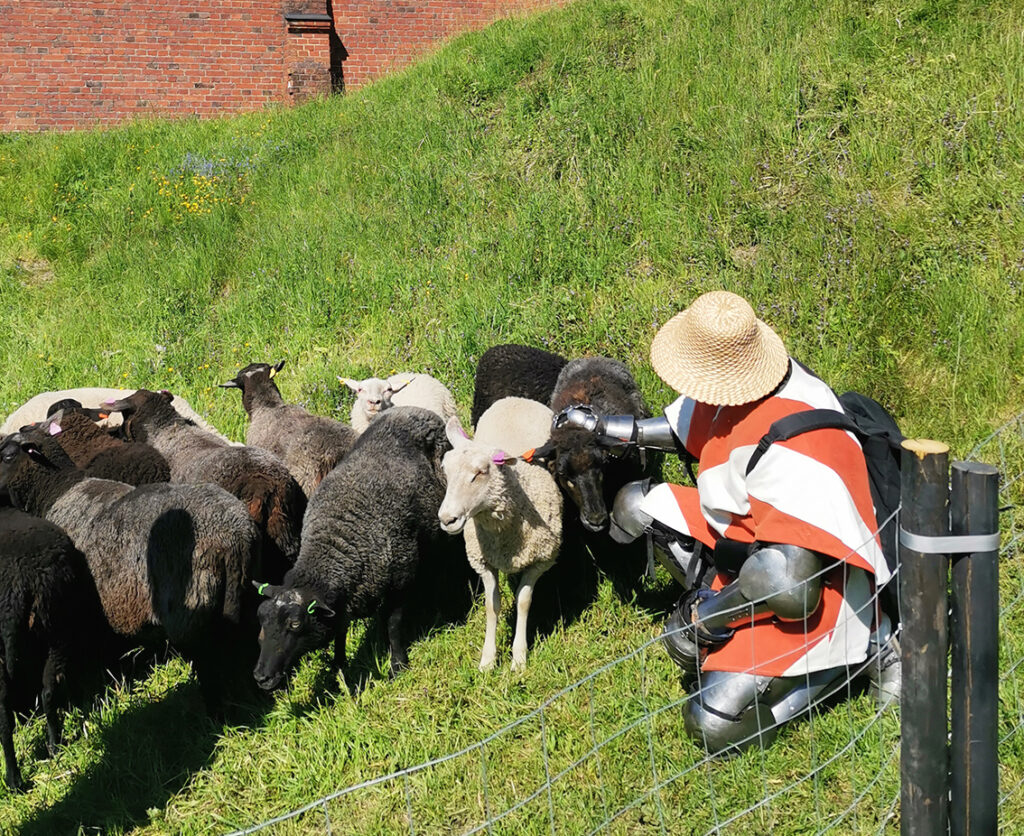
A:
{"x": 150, "y": 751}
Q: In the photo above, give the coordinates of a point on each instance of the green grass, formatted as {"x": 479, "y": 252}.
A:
{"x": 570, "y": 181}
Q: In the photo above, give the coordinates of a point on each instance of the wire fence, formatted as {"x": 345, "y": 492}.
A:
{"x": 609, "y": 753}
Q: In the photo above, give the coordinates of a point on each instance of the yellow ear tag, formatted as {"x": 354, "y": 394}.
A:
{"x": 273, "y": 371}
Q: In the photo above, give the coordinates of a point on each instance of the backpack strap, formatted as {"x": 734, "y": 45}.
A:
{"x": 799, "y": 423}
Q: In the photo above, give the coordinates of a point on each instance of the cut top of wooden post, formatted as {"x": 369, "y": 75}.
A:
{"x": 922, "y": 447}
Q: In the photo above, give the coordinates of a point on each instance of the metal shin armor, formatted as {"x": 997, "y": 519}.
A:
{"x": 733, "y": 711}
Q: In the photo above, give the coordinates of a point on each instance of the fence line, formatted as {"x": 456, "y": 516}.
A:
{"x": 871, "y": 742}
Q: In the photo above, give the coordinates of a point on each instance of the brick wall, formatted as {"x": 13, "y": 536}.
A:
{"x": 382, "y": 35}
{"x": 81, "y": 63}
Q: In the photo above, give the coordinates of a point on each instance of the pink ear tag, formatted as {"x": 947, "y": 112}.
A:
{"x": 55, "y": 428}
{"x": 500, "y": 457}
{"x": 110, "y": 402}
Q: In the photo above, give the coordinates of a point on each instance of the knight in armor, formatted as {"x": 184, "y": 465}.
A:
{"x": 780, "y": 565}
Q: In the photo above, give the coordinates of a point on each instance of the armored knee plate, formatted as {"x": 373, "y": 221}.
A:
{"x": 628, "y": 521}
{"x": 734, "y": 711}
{"x": 728, "y": 715}
{"x": 787, "y": 578}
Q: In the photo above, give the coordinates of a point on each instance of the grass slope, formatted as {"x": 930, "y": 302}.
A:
{"x": 571, "y": 181}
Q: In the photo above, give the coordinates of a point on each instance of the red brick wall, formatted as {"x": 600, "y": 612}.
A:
{"x": 81, "y": 63}
{"x": 381, "y": 35}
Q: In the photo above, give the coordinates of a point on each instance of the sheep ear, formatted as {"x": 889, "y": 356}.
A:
{"x": 31, "y": 449}
{"x": 166, "y": 395}
{"x": 456, "y": 435}
{"x": 323, "y": 609}
{"x": 278, "y": 366}
{"x": 350, "y": 383}
{"x": 266, "y": 590}
{"x": 398, "y": 384}
{"x": 114, "y": 405}
{"x": 544, "y": 454}
{"x": 230, "y": 384}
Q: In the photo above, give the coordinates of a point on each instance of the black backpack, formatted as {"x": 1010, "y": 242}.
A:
{"x": 880, "y": 439}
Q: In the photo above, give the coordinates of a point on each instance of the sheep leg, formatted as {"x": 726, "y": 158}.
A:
{"x": 524, "y": 597}
{"x": 492, "y": 600}
{"x": 340, "y": 637}
{"x": 12, "y": 775}
{"x": 399, "y": 657}
{"x": 53, "y": 681}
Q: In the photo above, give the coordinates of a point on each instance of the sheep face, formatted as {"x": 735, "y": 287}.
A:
{"x": 579, "y": 466}
{"x": 373, "y": 395}
{"x": 24, "y": 451}
{"x": 292, "y": 622}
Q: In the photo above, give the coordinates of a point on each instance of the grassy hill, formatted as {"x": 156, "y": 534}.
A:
{"x": 570, "y": 181}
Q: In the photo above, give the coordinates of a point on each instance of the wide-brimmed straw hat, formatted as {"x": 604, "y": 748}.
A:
{"x": 718, "y": 352}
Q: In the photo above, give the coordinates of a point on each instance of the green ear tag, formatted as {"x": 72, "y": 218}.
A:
{"x": 311, "y": 607}
{"x": 261, "y": 587}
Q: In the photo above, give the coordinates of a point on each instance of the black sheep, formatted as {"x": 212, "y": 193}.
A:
{"x": 370, "y": 530}
{"x": 45, "y": 598}
{"x": 514, "y": 371}
{"x": 169, "y": 562}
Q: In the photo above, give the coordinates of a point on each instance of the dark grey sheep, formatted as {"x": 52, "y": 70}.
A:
{"x": 170, "y": 562}
{"x": 309, "y": 445}
{"x": 271, "y": 494}
{"x": 102, "y": 456}
{"x": 45, "y": 596}
{"x": 514, "y": 371}
{"x": 367, "y": 534}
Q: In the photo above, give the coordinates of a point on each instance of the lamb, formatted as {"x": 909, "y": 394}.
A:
{"x": 169, "y": 561}
{"x": 35, "y": 409}
{"x": 374, "y": 395}
{"x": 273, "y": 498}
{"x": 369, "y": 530}
{"x": 309, "y": 445}
{"x": 510, "y": 511}
{"x": 512, "y": 370}
{"x": 102, "y": 456}
{"x": 45, "y": 592}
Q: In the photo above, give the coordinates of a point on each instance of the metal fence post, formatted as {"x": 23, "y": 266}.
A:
{"x": 974, "y": 758}
{"x": 924, "y": 780}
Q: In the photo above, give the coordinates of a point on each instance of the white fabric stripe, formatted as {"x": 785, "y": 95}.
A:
{"x": 806, "y": 388}
{"x": 847, "y": 644}
{"x": 661, "y": 504}
{"x": 826, "y": 505}
{"x": 680, "y": 414}
{"x": 723, "y": 489}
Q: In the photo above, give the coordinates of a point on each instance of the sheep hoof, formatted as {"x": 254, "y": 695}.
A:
{"x": 487, "y": 664}
{"x": 519, "y": 664}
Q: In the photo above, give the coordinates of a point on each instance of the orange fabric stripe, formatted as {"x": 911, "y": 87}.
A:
{"x": 766, "y": 646}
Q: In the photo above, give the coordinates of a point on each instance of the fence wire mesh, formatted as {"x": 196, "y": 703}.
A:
{"x": 609, "y": 753}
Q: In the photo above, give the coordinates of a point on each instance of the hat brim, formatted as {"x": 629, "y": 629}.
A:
{"x": 720, "y": 378}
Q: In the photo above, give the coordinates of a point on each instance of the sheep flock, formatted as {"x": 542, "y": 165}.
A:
{"x": 127, "y": 521}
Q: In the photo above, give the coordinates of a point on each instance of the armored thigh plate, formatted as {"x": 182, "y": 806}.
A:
{"x": 787, "y": 578}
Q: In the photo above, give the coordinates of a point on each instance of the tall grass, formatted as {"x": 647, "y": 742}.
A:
{"x": 570, "y": 181}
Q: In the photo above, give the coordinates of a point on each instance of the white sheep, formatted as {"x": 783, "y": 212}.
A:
{"x": 34, "y": 410}
{"x": 509, "y": 510}
{"x": 374, "y": 395}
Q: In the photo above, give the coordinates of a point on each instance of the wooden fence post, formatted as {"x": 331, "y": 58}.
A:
{"x": 974, "y": 755}
{"x": 924, "y": 780}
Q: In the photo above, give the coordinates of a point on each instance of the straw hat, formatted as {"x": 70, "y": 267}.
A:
{"x": 718, "y": 352}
